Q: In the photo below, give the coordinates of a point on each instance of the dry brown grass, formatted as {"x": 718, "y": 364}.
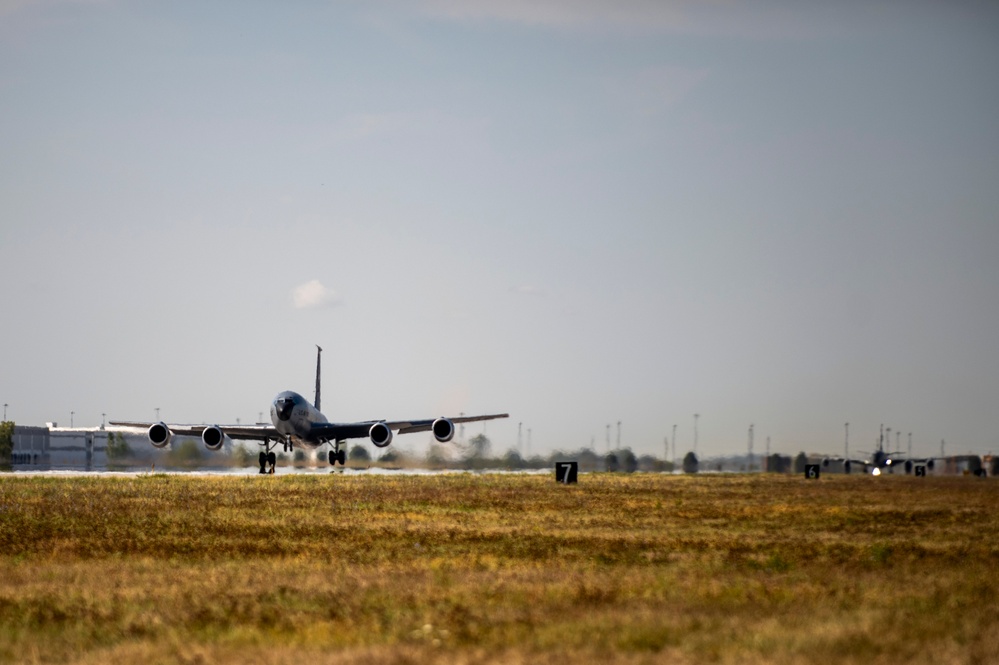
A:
{"x": 498, "y": 568}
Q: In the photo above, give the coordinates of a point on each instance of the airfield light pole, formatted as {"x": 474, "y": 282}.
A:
{"x": 888, "y": 437}
{"x": 846, "y": 442}
{"x": 5, "y": 412}
{"x": 696, "y": 416}
{"x": 157, "y": 413}
{"x": 898, "y": 435}
{"x": 71, "y": 414}
{"x": 104, "y": 417}
{"x": 674, "y": 445}
{"x": 528, "y": 441}
{"x": 910, "y": 445}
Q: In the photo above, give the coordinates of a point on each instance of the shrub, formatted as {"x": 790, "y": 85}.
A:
{"x": 690, "y": 462}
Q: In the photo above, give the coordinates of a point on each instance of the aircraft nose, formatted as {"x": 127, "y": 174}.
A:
{"x": 283, "y": 407}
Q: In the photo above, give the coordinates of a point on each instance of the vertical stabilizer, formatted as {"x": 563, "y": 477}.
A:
{"x": 319, "y": 366}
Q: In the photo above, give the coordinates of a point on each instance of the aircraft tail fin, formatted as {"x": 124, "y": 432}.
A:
{"x": 319, "y": 366}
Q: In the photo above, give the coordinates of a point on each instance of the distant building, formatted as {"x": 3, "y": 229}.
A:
{"x": 963, "y": 465}
{"x": 778, "y": 463}
{"x": 31, "y": 447}
{"x": 52, "y": 447}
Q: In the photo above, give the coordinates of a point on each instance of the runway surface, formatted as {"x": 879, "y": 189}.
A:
{"x": 279, "y": 471}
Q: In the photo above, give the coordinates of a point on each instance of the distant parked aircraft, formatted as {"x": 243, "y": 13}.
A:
{"x": 295, "y": 422}
{"x": 880, "y": 460}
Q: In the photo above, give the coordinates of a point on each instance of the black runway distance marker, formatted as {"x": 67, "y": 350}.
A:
{"x": 566, "y": 472}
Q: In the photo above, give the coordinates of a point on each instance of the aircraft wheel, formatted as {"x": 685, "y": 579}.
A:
{"x": 263, "y": 462}
{"x": 271, "y": 458}
{"x": 341, "y": 457}
{"x": 332, "y": 458}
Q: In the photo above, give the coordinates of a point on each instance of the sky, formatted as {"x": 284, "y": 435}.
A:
{"x": 578, "y": 212}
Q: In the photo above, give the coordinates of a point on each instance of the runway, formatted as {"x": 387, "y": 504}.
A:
{"x": 279, "y": 471}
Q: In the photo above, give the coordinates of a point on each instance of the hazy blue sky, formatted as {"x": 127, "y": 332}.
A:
{"x": 576, "y": 211}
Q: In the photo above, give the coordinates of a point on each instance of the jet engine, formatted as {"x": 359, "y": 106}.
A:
{"x": 443, "y": 430}
{"x": 213, "y": 437}
{"x": 380, "y": 434}
{"x": 159, "y": 435}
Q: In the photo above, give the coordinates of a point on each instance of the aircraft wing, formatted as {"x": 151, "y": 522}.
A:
{"x": 840, "y": 458}
{"x": 929, "y": 461}
{"x": 340, "y": 431}
{"x": 239, "y": 432}
{"x": 410, "y": 426}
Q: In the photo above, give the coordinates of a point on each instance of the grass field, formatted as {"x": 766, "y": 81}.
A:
{"x": 499, "y": 568}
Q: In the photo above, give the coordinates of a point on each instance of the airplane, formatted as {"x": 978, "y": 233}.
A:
{"x": 296, "y": 423}
{"x": 880, "y": 460}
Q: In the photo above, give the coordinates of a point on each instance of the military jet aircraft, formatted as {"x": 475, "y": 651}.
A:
{"x": 881, "y": 461}
{"x": 297, "y": 423}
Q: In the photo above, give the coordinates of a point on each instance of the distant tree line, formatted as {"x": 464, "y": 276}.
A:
{"x": 118, "y": 450}
{"x": 6, "y": 442}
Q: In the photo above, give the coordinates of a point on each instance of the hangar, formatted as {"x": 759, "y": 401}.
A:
{"x": 54, "y": 447}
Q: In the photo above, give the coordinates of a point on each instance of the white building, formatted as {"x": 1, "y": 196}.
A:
{"x": 53, "y": 447}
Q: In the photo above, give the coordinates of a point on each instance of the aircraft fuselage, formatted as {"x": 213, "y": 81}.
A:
{"x": 293, "y": 416}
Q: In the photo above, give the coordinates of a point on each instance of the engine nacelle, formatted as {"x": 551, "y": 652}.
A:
{"x": 159, "y": 435}
{"x": 443, "y": 430}
{"x": 380, "y": 434}
{"x": 213, "y": 437}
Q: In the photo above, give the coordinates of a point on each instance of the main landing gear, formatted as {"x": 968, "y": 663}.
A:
{"x": 267, "y": 462}
{"x": 338, "y": 454}
{"x": 267, "y": 458}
